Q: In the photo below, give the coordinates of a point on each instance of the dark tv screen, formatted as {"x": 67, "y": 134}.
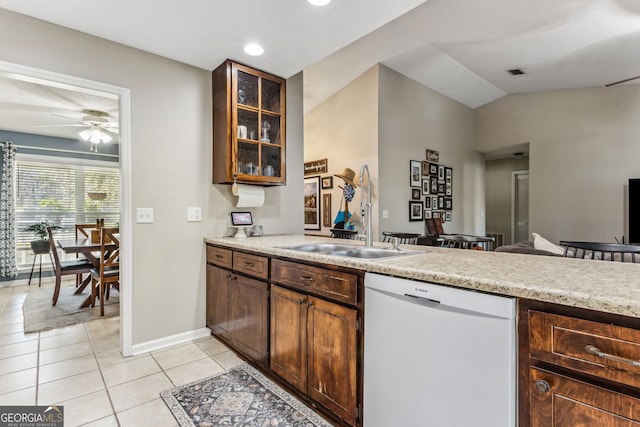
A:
{"x": 634, "y": 211}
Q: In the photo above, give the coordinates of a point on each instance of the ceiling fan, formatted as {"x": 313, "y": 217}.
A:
{"x": 90, "y": 119}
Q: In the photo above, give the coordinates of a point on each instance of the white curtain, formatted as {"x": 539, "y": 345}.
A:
{"x": 7, "y": 212}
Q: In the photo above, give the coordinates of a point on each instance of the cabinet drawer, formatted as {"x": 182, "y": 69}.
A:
{"x": 218, "y": 256}
{"x": 336, "y": 285}
{"x": 603, "y": 350}
{"x": 253, "y": 265}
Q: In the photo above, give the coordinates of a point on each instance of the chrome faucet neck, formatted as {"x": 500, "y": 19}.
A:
{"x": 366, "y": 205}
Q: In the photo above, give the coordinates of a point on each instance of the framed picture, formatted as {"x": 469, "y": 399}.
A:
{"x": 426, "y": 187}
{"x": 440, "y": 173}
{"x": 433, "y": 183}
{"x": 427, "y": 214}
{"x": 448, "y": 203}
{"x": 441, "y": 188}
{"x": 327, "y": 182}
{"x": 326, "y": 210}
{"x": 440, "y": 202}
{"x": 425, "y": 169}
{"x": 435, "y": 215}
{"x": 447, "y": 189}
{"x": 434, "y": 202}
{"x": 447, "y": 216}
{"x": 448, "y": 172}
{"x": 415, "y": 170}
{"x": 433, "y": 169}
{"x": 415, "y": 194}
{"x": 416, "y": 211}
{"x": 311, "y": 204}
{"x": 427, "y": 202}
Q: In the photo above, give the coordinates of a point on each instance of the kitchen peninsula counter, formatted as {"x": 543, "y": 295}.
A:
{"x": 610, "y": 287}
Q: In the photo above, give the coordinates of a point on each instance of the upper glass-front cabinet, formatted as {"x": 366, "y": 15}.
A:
{"x": 248, "y": 126}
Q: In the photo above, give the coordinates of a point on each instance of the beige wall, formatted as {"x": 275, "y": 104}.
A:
{"x": 583, "y": 149}
{"x": 344, "y": 130}
{"x": 498, "y": 181}
{"x": 385, "y": 120}
{"x": 171, "y": 161}
{"x": 413, "y": 118}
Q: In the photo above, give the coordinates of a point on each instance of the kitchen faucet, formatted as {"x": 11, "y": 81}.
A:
{"x": 365, "y": 206}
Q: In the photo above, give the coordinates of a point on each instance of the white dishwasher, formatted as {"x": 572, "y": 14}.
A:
{"x": 436, "y": 356}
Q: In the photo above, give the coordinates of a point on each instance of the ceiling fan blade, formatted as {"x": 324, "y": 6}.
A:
{"x": 622, "y": 81}
{"x": 59, "y": 126}
{"x": 111, "y": 130}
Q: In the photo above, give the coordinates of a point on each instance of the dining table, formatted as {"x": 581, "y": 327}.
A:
{"x": 91, "y": 251}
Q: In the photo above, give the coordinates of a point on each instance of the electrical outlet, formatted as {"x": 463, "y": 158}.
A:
{"x": 385, "y": 214}
{"x": 144, "y": 215}
{"x": 194, "y": 214}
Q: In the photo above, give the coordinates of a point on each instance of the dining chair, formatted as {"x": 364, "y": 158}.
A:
{"x": 108, "y": 272}
{"x": 63, "y": 268}
{"x": 403, "y": 238}
{"x": 83, "y": 231}
{"x": 603, "y": 251}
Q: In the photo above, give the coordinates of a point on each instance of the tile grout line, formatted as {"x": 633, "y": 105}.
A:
{"x": 106, "y": 389}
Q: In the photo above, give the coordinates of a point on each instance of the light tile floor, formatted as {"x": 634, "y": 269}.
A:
{"x": 80, "y": 367}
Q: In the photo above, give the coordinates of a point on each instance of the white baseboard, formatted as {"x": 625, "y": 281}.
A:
{"x": 164, "y": 342}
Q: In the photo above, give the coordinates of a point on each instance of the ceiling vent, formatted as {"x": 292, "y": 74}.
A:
{"x": 516, "y": 72}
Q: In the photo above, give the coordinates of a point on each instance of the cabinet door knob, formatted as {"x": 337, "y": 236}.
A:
{"x": 542, "y": 386}
{"x": 300, "y": 301}
{"x": 309, "y": 304}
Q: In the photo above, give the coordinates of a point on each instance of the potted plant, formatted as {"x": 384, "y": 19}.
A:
{"x": 39, "y": 229}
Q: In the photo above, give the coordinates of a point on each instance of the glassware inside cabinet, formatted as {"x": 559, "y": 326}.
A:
{"x": 248, "y": 162}
{"x": 249, "y": 121}
{"x": 247, "y": 89}
{"x": 271, "y": 160}
{"x": 270, "y": 129}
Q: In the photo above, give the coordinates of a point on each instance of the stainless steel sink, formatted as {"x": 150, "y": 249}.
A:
{"x": 352, "y": 251}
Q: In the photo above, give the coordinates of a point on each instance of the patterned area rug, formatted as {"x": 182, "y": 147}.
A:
{"x": 40, "y": 315}
{"x": 241, "y": 397}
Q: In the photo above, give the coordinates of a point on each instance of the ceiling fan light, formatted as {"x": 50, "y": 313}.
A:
{"x": 95, "y": 135}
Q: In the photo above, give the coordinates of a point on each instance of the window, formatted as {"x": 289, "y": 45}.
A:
{"x": 63, "y": 194}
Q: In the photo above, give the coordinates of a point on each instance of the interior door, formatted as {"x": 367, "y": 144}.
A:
{"x": 520, "y": 206}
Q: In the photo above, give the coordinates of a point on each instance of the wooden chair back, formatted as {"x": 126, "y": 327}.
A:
{"x": 109, "y": 249}
{"x": 601, "y": 251}
{"x": 403, "y": 238}
{"x": 54, "y": 251}
{"x": 82, "y": 230}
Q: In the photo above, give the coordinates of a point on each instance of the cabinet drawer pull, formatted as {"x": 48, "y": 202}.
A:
{"x": 218, "y": 256}
{"x": 248, "y": 264}
{"x": 591, "y": 349}
{"x": 306, "y": 278}
{"x": 542, "y": 386}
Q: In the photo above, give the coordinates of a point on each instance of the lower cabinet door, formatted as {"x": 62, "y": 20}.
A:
{"x": 561, "y": 401}
{"x": 248, "y": 299}
{"x": 332, "y": 344}
{"x": 217, "y": 300}
{"x": 289, "y": 336}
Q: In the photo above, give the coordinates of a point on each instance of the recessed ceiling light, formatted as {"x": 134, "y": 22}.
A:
{"x": 253, "y": 49}
{"x": 319, "y": 2}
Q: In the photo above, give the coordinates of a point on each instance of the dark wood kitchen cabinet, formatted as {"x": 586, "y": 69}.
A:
{"x": 237, "y": 305}
{"x": 248, "y": 126}
{"x": 577, "y": 367}
{"x": 314, "y": 341}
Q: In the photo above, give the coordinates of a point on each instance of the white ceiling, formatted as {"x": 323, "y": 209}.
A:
{"x": 461, "y": 48}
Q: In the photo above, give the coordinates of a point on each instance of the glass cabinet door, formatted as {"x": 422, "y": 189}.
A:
{"x": 249, "y": 126}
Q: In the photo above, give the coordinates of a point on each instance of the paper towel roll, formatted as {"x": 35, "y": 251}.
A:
{"x": 249, "y": 196}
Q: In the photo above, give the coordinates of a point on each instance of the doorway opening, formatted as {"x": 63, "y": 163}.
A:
{"x": 56, "y": 81}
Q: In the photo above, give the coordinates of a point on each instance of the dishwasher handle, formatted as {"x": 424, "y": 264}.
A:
{"x": 421, "y": 298}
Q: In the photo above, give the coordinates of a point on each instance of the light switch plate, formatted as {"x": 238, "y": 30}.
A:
{"x": 144, "y": 215}
{"x": 194, "y": 214}
{"x": 385, "y": 214}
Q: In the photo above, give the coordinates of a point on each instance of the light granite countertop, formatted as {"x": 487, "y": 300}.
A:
{"x": 612, "y": 287}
